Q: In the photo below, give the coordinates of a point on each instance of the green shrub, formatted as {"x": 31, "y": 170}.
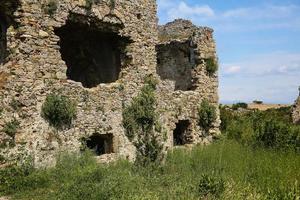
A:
{"x": 258, "y": 102}
{"x": 10, "y": 128}
{"x": 141, "y": 123}
{"x": 59, "y": 111}
{"x": 211, "y": 186}
{"x": 239, "y": 105}
{"x": 15, "y": 104}
{"x": 89, "y": 3}
{"x": 207, "y": 115}
{"x": 272, "y": 128}
{"x": 211, "y": 66}
{"x": 51, "y": 7}
{"x": 17, "y": 177}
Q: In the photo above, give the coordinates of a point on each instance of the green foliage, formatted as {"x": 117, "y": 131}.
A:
{"x": 10, "y": 128}
{"x": 51, "y": 7}
{"x": 206, "y": 115}
{"x": 141, "y": 121}
{"x": 15, "y": 104}
{"x": 59, "y": 111}
{"x": 21, "y": 177}
{"x": 211, "y": 66}
{"x": 258, "y": 102}
{"x": 232, "y": 171}
{"x": 89, "y": 3}
{"x": 272, "y": 128}
{"x": 211, "y": 186}
{"x": 239, "y": 105}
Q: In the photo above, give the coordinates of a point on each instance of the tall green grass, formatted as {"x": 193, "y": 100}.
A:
{"x": 224, "y": 170}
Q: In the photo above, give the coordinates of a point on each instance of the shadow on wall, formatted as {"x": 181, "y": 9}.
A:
{"x": 175, "y": 62}
{"x": 100, "y": 144}
{"x": 7, "y": 8}
{"x": 181, "y": 132}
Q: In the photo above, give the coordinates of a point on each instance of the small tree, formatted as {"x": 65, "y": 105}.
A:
{"x": 207, "y": 115}
{"x": 59, "y": 111}
{"x": 141, "y": 125}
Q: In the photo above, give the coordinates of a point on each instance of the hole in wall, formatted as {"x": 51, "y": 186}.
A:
{"x": 100, "y": 143}
{"x": 93, "y": 52}
{"x": 175, "y": 61}
{"x": 3, "y": 39}
{"x": 7, "y": 9}
{"x": 181, "y": 132}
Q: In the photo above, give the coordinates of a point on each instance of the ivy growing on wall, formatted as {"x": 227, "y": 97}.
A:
{"x": 10, "y": 128}
{"x": 211, "y": 66}
{"x": 207, "y": 115}
{"x": 50, "y": 7}
{"x": 140, "y": 121}
{"x": 89, "y": 3}
{"x": 59, "y": 111}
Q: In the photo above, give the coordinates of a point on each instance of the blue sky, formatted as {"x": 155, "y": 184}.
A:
{"x": 258, "y": 44}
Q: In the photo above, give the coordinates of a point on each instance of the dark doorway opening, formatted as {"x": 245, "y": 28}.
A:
{"x": 100, "y": 143}
{"x": 93, "y": 52}
{"x": 181, "y": 132}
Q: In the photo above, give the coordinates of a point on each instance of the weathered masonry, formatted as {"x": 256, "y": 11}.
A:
{"x": 296, "y": 110}
{"x": 98, "y": 53}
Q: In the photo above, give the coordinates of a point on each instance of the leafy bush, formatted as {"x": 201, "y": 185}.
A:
{"x": 10, "y": 128}
{"x": 211, "y": 66}
{"x": 59, "y": 111}
{"x": 239, "y": 105}
{"x": 211, "y": 185}
{"x": 51, "y": 7}
{"x": 141, "y": 124}
{"x": 271, "y": 129}
{"x": 20, "y": 177}
{"x": 89, "y": 3}
{"x": 207, "y": 115}
{"x": 15, "y": 104}
{"x": 258, "y": 102}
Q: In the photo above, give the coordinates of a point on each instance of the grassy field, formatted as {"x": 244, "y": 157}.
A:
{"x": 257, "y": 157}
{"x": 224, "y": 170}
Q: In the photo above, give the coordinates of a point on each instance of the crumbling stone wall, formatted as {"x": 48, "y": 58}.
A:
{"x": 179, "y": 102}
{"x": 38, "y": 64}
{"x": 296, "y": 110}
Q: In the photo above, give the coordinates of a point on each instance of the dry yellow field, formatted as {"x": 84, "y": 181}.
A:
{"x": 263, "y": 107}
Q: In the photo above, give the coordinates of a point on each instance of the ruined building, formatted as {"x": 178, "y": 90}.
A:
{"x": 97, "y": 53}
{"x": 296, "y": 110}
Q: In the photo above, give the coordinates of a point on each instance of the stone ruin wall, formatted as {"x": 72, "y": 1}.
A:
{"x": 296, "y": 111}
{"x": 36, "y": 65}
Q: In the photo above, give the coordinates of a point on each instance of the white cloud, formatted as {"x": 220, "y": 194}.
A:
{"x": 275, "y": 63}
{"x": 272, "y": 77}
{"x": 232, "y": 69}
{"x": 185, "y": 11}
{"x": 265, "y": 16}
{"x": 266, "y": 12}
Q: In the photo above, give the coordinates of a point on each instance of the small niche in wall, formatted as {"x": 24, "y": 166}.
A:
{"x": 181, "y": 132}
{"x": 100, "y": 144}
